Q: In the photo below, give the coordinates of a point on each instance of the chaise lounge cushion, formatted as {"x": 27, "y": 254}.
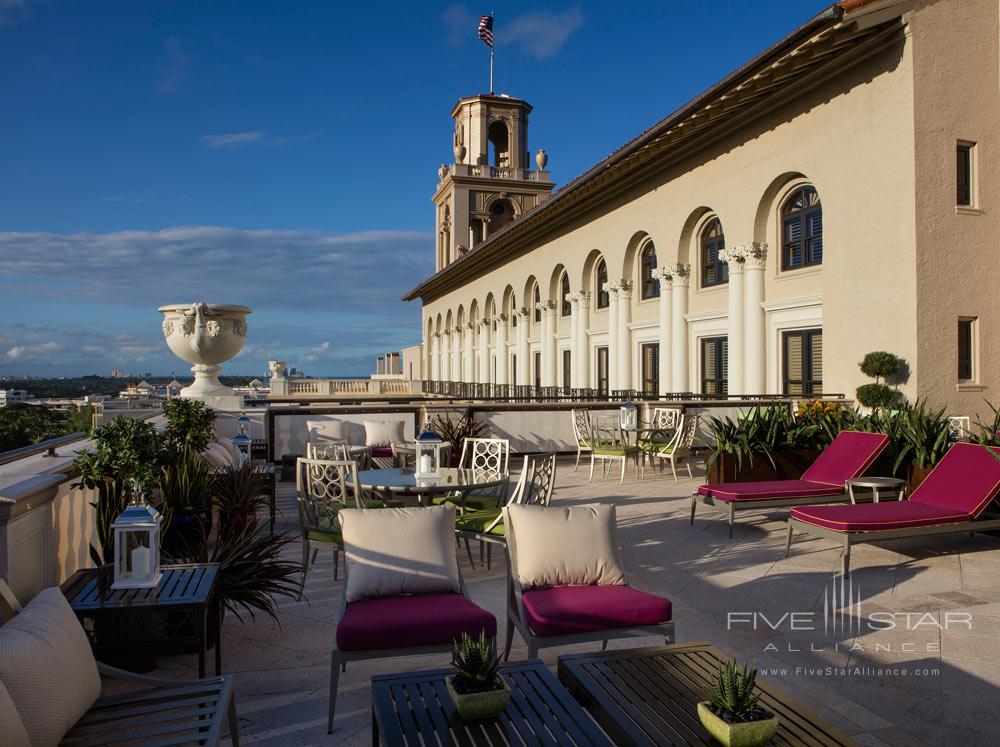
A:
{"x": 47, "y": 667}
{"x": 393, "y": 551}
{"x": 564, "y": 610}
{"x": 966, "y": 480}
{"x": 409, "y": 621}
{"x": 850, "y": 454}
{"x": 870, "y": 517}
{"x": 768, "y": 489}
{"x": 565, "y": 546}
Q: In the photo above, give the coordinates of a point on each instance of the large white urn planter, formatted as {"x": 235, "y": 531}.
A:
{"x": 206, "y": 335}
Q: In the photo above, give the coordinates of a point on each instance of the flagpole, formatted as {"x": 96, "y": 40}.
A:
{"x": 493, "y": 16}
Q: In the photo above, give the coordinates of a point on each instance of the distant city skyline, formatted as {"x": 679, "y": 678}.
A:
{"x": 283, "y": 157}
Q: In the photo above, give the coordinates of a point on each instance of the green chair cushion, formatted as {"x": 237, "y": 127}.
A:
{"x": 478, "y": 521}
{"x": 617, "y": 451}
{"x": 331, "y": 536}
{"x": 376, "y": 503}
{"x": 665, "y": 449}
{"x": 472, "y": 503}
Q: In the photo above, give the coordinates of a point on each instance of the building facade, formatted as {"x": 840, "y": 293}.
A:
{"x": 831, "y": 197}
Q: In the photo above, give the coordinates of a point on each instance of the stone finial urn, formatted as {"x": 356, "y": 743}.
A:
{"x": 542, "y": 159}
{"x": 206, "y": 335}
{"x": 277, "y": 369}
{"x": 460, "y": 152}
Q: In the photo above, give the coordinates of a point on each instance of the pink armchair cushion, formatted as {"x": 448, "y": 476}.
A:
{"x": 870, "y": 517}
{"x": 768, "y": 489}
{"x": 382, "y": 451}
{"x": 564, "y": 610}
{"x": 964, "y": 481}
{"x": 410, "y": 621}
{"x": 850, "y": 454}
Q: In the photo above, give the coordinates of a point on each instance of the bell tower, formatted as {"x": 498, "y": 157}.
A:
{"x": 492, "y": 181}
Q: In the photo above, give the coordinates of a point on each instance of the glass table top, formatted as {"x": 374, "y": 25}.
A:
{"x": 403, "y": 480}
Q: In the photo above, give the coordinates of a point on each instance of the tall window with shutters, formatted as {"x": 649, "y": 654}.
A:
{"x": 537, "y": 365}
{"x": 565, "y": 307}
{"x": 601, "y": 281}
{"x": 967, "y": 349}
{"x": 567, "y": 362}
{"x": 803, "y": 362}
{"x": 713, "y": 270}
{"x": 602, "y": 369}
{"x": 536, "y": 304}
{"x": 650, "y": 285}
{"x": 802, "y": 230}
{"x": 715, "y": 365}
{"x": 650, "y": 368}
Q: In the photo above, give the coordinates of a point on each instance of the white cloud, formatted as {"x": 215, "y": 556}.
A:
{"x": 541, "y": 34}
{"x": 36, "y": 352}
{"x": 460, "y": 24}
{"x": 318, "y": 353}
{"x": 233, "y": 139}
{"x": 13, "y": 12}
{"x": 172, "y": 67}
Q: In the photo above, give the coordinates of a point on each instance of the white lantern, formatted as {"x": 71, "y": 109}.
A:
{"x": 628, "y": 417}
{"x": 428, "y": 453}
{"x": 137, "y": 545}
{"x": 241, "y": 442}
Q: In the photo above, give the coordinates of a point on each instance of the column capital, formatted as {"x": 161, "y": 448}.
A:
{"x": 754, "y": 254}
{"x": 680, "y": 274}
{"x": 735, "y": 257}
{"x": 501, "y": 317}
{"x": 584, "y": 298}
{"x": 484, "y": 322}
{"x": 545, "y": 306}
{"x": 662, "y": 274}
{"x": 469, "y": 325}
{"x": 523, "y": 313}
{"x": 624, "y": 289}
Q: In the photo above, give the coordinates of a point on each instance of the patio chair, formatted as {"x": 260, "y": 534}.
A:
{"x": 611, "y": 444}
{"x": 403, "y": 591}
{"x": 678, "y": 448}
{"x": 534, "y": 487}
{"x": 50, "y": 688}
{"x": 566, "y": 584}
{"x": 850, "y": 454}
{"x": 959, "y": 427}
{"x": 487, "y": 456}
{"x": 582, "y": 433}
{"x": 950, "y": 500}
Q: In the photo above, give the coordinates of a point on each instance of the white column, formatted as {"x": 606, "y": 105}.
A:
{"x": 548, "y": 343}
{"x": 625, "y": 335}
{"x": 680, "y": 277}
{"x": 612, "y": 289}
{"x": 574, "y": 342}
{"x": 735, "y": 259}
{"x": 456, "y": 354}
{"x": 446, "y": 356}
{"x": 583, "y": 339}
{"x": 469, "y": 370}
{"x": 523, "y": 357}
{"x": 484, "y": 351}
{"x": 434, "y": 358}
{"x": 666, "y": 328}
{"x": 755, "y": 369}
{"x": 501, "y": 349}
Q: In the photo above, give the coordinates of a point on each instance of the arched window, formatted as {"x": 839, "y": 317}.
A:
{"x": 601, "y": 278}
{"x": 713, "y": 270}
{"x": 647, "y": 263}
{"x": 565, "y": 307}
{"x": 537, "y": 298}
{"x": 513, "y": 311}
{"x": 802, "y": 230}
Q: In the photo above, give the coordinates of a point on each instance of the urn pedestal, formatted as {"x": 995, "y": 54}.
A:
{"x": 206, "y": 335}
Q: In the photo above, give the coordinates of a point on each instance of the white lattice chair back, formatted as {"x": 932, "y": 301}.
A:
{"x": 608, "y": 433}
{"x": 959, "y": 427}
{"x": 537, "y": 480}
{"x": 489, "y": 456}
{"x": 666, "y": 418}
{"x": 687, "y": 431}
{"x": 328, "y": 450}
{"x": 325, "y": 486}
{"x": 582, "y": 427}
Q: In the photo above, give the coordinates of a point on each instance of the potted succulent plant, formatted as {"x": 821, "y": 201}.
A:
{"x": 734, "y": 716}
{"x": 454, "y": 432}
{"x": 476, "y": 688}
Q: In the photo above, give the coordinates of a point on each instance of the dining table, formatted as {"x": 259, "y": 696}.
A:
{"x": 403, "y": 481}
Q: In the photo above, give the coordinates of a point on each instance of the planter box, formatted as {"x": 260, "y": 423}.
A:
{"x": 788, "y": 465}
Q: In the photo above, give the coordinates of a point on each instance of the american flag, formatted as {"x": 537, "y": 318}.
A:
{"x": 486, "y": 30}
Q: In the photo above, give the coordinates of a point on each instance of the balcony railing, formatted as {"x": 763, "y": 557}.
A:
{"x": 486, "y": 171}
{"x": 341, "y": 387}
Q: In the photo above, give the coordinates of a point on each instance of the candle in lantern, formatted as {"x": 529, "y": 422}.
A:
{"x": 141, "y": 565}
{"x": 426, "y": 464}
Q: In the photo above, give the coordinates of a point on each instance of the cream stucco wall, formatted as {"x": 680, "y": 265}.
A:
{"x": 882, "y": 160}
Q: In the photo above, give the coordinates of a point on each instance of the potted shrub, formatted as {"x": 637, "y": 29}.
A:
{"x": 734, "y": 716}
{"x": 238, "y": 493}
{"x": 190, "y": 425}
{"x": 454, "y": 432}
{"x": 476, "y": 687}
{"x": 880, "y": 366}
{"x": 186, "y": 485}
{"x": 922, "y": 437}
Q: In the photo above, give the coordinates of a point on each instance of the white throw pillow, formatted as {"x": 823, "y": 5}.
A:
{"x": 381, "y": 433}
{"x": 218, "y": 455}
{"x": 327, "y": 429}
{"x": 393, "y": 551}
{"x": 12, "y": 731}
{"x": 48, "y": 668}
{"x": 564, "y": 546}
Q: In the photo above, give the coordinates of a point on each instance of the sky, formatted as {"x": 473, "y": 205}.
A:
{"x": 283, "y": 155}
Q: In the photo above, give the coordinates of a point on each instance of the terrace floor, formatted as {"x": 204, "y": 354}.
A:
{"x": 941, "y": 686}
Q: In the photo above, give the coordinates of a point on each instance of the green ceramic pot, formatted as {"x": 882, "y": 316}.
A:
{"x": 747, "y": 734}
{"x": 479, "y": 705}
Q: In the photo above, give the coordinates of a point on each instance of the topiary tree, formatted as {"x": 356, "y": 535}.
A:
{"x": 879, "y": 365}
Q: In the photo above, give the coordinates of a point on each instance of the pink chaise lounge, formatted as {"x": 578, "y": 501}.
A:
{"x": 850, "y": 454}
{"x": 951, "y": 499}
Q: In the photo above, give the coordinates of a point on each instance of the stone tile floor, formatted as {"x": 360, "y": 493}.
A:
{"x": 916, "y": 682}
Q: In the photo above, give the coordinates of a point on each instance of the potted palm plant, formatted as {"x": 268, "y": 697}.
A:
{"x": 734, "y": 716}
{"x": 454, "y": 432}
{"x": 186, "y": 485}
{"x": 476, "y": 687}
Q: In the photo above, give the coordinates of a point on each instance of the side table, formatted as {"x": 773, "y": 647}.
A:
{"x": 875, "y": 484}
{"x": 184, "y": 588}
